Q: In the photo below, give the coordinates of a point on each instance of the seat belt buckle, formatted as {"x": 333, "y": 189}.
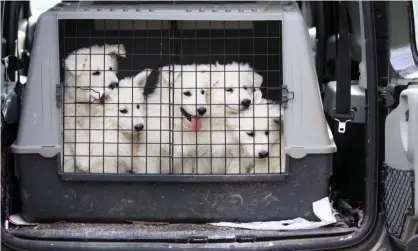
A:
{"x": 341, "y": 125}
{"x": 342, "y": 119}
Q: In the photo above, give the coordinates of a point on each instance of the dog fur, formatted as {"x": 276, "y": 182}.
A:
{"x": 89, "y": 72}
{"x": 258, "y": 131}
{"x": 82, "y": 100}
{"x": 125, "y": 125}
{"x": 231, "y": 86}
{"x": 178, "y": 87}
{"x": 114, "y": 132}
{"x": 276, "y": 161}
{"x": 177, "y": 127}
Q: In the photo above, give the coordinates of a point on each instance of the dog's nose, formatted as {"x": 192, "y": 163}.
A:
{"x": 201, "y": 110}
{"x": 246, "y": 102}
{"x": 139, "y": 127}
{"x": 263, "y": 154}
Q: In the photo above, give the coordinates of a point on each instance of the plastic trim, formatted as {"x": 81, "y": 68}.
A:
{"x": 173, "y": 178}
{"x": 341, "y": 243}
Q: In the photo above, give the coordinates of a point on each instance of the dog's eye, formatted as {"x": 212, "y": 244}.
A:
{"x": 113, "y": 86}
{"x": 188, "y": 94}
{"x": 123, "y": 111}
{"x": 96, "y": 73}
{"x": 267, "y": 132}
{"x": 251, "y": 134}
{"x": 110, "y": 68}
{"x": 245, "y": 88}
{"x": 137, "y": 106}
{"x": 229, "y": 90}
{"x": 254, "y": 90}
{"x": 203, "y": 92}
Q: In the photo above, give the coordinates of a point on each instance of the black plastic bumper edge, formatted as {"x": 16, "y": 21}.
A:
{"x": 324, "y": 243}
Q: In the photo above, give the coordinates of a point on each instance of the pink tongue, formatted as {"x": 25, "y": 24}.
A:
{"x": 196, "y": 124}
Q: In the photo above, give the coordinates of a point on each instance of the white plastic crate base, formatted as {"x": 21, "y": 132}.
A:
{"x": 401, "y": 165}
{"x": 177, "y": 198}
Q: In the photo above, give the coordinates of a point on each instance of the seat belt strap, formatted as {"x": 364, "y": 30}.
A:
{"x": 343, "y": 112}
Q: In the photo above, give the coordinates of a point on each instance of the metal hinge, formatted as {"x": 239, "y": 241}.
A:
{"x": 286, "y": 95}
{"x": 58, "y": 94}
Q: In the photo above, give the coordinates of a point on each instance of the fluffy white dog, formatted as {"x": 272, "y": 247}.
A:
{"x": 178, "y": 108}
{"x": 88, "y": 76}
{"x": 232, "y": 87}
{"x": 115, "y": 131}
{"x": 124, "y": 132}
{"x": 217, "y": 148}
{"x": 90, "y": 72}
{"x": 275, "y": 163}
{"x": 230, "y": 92}
{"x": 258, "y": 131}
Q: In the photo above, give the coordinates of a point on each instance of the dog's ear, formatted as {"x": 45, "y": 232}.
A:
{"x": 256, "y": 78}
{"x": 168, "y": 73}
{"x": 75, "y": 64}
{"x": 115, "y": 50}
{"x": 258, "y": 96}
{"x": 141, "y": 78}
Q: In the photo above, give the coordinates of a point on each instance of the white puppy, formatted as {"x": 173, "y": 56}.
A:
{"x": 88, "y": 76}
{"x": 217, "y": 148}
{"x": 232, "y": 87}
{"x": 115, "y": 131}
{"x": 257, "y": 130}
{"x": 275, "y": 163}
{"x": 124, "y": 133}
{"x": 89, "y": 72}
{"x": 178, "y": 108}
{"x": 230, "y": 92}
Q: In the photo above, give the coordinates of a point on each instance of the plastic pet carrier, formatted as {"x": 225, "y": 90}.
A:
{"x": 90, "y": 146}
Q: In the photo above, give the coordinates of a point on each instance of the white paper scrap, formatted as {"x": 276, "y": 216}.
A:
{"x": 321, "y": 208}
{"x": 17, "y": 220}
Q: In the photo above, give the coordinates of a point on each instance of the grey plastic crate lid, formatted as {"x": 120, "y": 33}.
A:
{"x": 261, "y": 10}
